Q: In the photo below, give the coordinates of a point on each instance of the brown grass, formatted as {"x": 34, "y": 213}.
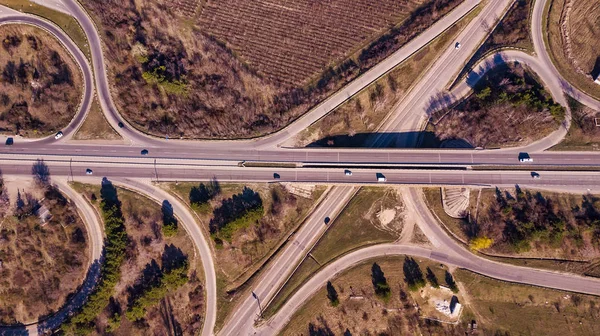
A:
{"x": 184, "y": 307}
{"x": 577, "y": 63}
{"x": 365, "y": 111}
{"x": 176, "y": 77}
{"x": 40, "y": 264}
{"x": 41, "y": 85}
{"x": 583, "y": 134}
{"x": 95, "y": 126}
{"x": 367, "y": 314}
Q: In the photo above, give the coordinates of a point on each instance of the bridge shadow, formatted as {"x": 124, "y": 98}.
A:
{"x": 424, "y": 139}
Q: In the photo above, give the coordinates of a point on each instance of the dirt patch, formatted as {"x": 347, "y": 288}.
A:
{"x": 95, "y": 126}
{"x": 40, "y": 86}
{"x": 41, "y": 262}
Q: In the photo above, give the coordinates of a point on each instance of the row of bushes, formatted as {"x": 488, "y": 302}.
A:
{"x": 110, "y": 273}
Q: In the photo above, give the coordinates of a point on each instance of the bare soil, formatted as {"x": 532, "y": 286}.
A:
{"x": 40, "y": 86}
{"x": 179, "y": 312}
{"x": 41, "y": 264}
{"x": 220, "y": 71}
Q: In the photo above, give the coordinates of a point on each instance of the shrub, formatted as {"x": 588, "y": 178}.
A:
{"x": 480, "y": 243}
{"x": 412, "y": 274}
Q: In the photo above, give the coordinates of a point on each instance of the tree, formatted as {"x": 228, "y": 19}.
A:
{"x": 450, "y": 282}
{"x": 382, "y": 289}
{"x": 169, "y": 227}
{"x": 41, "y": 173}
{"x": 332, "y": 294}
{"x": 432, "y": 278}
{"x": 412, "y": 274}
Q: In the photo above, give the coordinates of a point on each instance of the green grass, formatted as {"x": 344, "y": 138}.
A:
{"x": 351, "y": 230}
{"x": 66, "y": 22}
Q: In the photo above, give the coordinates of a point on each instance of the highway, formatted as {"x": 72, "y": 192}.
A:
{"x": 176, "y": 160}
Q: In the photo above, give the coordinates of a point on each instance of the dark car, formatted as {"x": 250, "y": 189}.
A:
{"x": 276, "y": 176}
{"x": 144, "y": 152}
{"x": 9, "y": 141}
{"x": 121, "y": 125}
{"x": 327, "y": 220}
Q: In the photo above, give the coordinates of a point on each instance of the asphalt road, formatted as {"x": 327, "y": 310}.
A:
{"x": 265, "y": 288}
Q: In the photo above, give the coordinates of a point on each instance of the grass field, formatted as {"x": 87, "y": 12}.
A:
{"x": 499, "y": 308}
{"x": 361, "y": 312}
{"x": 41, "y": 85}
{"x": 433, "y": 198}
{"x": 578, "y": 61}
{"x": 360, "y": 224}
{"x": 181, "y": 309}
{"x": 95, "y": 126}
{"x": 583, "y": 135}
{"x": 66, "y": 22}
{"x": 365, "y": 111}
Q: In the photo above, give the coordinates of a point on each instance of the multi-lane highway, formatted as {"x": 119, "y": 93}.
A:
{"x": 186, "y": 160}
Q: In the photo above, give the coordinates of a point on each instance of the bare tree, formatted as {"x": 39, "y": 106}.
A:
{"x": 41, "y": 173}
{"x": 4, "y": 200}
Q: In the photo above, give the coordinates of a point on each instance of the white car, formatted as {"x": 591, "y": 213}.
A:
{"x": 526, "y": 159}
{"x": 347, "y": 172}
{"x": 381, "y": 177}
{"x": 58, "y": 135}
{"x": 88, "y": 172}
{"x": 457, "y": 45}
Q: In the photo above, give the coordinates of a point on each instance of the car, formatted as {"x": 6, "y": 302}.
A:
{"x": 381, "y": 177}
{"x": 535, "y": 175}
{"x": 58, "y": 135}
{"x": 88, "y": 172}
{"x": 457, "y": 45}
{"x": 121, "y": 125}
{"x": 347, "y": 172}
{"x": 9, "y": 141}
{"x": 144, "y": 152}
{"x": 327, "y": 220}
{"x": 276, "y": 176}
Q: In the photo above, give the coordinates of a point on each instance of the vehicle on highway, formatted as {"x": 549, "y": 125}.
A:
{"x": 276, "y": 176}
{"x": 524, "y": 157}
{"x": 58, "y": 135}
{"x": 457, "y": 45}
{"x": 121, "y": 125}
{"x": 327, "y": 220}
{"x": 9, "y": 141}
{"x": 144, "y": 152}
{"x": 381, "y": 177}
{"x": 347, "y": 172}
{"x": 88, "y": 172}
{"x": 535, "y": 175}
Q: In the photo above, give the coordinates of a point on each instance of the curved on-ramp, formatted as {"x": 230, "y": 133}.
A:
{"x": 95, "y": 235}
{"x": 76, "y": 54}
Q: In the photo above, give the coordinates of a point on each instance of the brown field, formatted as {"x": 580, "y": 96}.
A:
{"x": 41, "y": 264}
{"x": 181, "y": 311}
{"x": 40, "y": 86}
{"x": 291, "y": 41}
{"x": 250, "y": 247}
{"x": 181, "y": 77}
{"x": 95, "y": 126}
{"x": 583, "y": 134}
{"x": 572, "y": 36}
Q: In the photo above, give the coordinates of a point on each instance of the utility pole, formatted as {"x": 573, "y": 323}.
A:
{"x": 259, "y": 306}
{"x": 71, "y": 169}
{"x": 155, "y": 171}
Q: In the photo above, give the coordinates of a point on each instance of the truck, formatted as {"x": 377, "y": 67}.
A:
{"x": 381, "y": 177}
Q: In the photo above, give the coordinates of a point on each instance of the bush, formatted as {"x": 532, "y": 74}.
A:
{"x": 332, "y": 294}
{"x": 382, "y": 289}
{"x": 237, "y": 212}
{"x": 450, "y": 282}
{"x": 480, "y": 243}
{"x": 412, "y": 274}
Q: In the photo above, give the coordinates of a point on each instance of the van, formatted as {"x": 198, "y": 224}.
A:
{"x": 381, "y": 177}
